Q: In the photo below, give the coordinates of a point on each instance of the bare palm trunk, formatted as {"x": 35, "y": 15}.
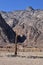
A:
{"x": 16, "y": 46}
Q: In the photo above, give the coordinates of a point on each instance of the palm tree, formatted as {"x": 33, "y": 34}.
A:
{"x": 19, "y": 39}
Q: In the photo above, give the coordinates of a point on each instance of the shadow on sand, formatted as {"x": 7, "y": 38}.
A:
{"x": 34, "y": 57}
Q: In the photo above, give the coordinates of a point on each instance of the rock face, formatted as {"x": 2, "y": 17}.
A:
{"x": 6, "y": 32}
{"x": 29, "y": 22}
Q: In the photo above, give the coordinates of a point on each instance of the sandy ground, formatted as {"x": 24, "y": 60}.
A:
{"x": 21, "y": 59}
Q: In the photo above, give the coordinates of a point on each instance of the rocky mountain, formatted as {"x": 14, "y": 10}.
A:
{"x": 6, "y": 32}
{"x": 27, "y": 22}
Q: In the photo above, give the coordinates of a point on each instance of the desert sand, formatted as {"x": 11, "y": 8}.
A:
{"x": 23, "y": 58}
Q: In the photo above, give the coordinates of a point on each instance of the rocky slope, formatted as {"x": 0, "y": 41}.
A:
{"x": 27, "y": 22}
{"x": 6, "y": 32}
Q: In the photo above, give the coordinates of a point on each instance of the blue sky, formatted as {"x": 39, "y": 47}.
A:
{"x": 10, "y": 5}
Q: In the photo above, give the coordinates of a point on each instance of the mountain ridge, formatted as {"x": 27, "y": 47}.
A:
{"x": 29, "y": 22}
